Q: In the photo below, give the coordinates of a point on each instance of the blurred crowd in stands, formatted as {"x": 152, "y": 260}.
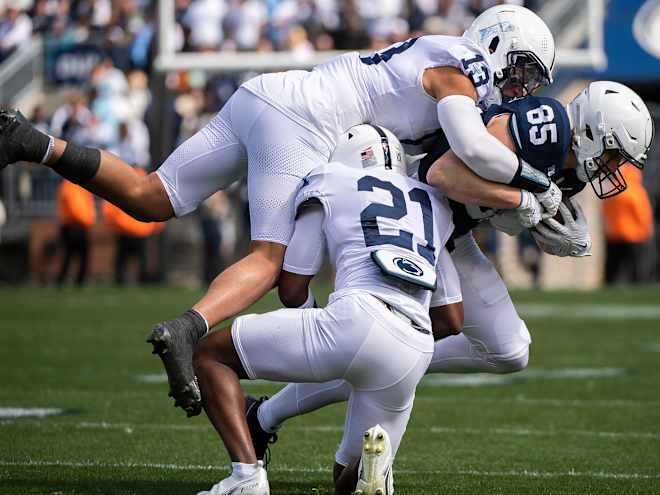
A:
{"x": 262, "y": 25}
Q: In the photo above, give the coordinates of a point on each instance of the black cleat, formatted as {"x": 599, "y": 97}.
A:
{"x": 10, "y": 149}
{"x": 260, "y": 439}
{"x": 174, "y": 341}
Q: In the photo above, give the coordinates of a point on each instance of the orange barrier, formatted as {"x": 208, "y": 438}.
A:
{"x": 629, "y": 215}
{"x": 75, "y": 205}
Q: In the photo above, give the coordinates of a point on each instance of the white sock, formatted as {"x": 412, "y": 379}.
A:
{"x": 49, "y": 150}
{"x": 300, "y": 398}
{"x": 203, "y": 318}
{"x": 242, "y": 471}
{"x": 456, "y": 354}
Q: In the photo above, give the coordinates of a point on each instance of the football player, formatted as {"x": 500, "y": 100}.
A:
{"x": 609, "y": 126}
{"x": 277, "y": 127}
{"x": 385, "y": 233}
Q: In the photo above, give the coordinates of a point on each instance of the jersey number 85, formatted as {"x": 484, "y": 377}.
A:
{"x": 542, "y": 126}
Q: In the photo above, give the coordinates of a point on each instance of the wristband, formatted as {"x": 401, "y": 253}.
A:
{"x": 530, "y": 179}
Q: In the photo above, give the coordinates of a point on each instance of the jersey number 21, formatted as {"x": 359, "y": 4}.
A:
{"x": 369, "y": 217}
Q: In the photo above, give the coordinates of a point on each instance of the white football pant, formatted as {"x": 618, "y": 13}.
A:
{"x": 355, "y": 338}
{"x": 247, "y": 137}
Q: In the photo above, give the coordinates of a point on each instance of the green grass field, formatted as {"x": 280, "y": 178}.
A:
{"x": 584, "y": 418}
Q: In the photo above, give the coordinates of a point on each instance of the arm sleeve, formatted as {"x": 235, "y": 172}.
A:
{"x": 304, "y": 253}
{"x": 473, "y": 144}
{"x": 448, "y": 290}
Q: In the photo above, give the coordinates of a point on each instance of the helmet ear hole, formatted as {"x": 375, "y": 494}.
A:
{"x": 494, "y": 44}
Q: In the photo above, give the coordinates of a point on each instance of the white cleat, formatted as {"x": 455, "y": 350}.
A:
{"x": 375, "y": 470}
{"x": 257, "y": 484}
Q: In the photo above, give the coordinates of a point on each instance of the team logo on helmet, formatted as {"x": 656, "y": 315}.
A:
{"x": 500, "y": 27}
{"x": 408, "y": 267}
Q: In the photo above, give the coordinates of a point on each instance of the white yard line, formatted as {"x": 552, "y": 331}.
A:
{"x": 547, "y": 433}
{"x": 28, "y": 412}
{"x": 561, "y": 474}
{"x": 286, "y": 469}
{"x": 490, "y": 379}
{"x": 590, "y": 311}
{"x": 468, "y": 379}
{"x": 651, "y": 347}
{"x": 523, "y": 401}
{"x": 132, "y": 427}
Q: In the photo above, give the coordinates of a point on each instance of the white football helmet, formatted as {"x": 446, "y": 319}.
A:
{"x": 520, "y": 44}
{"x": 611, "y": 127}
{"x": 370, "y": 146}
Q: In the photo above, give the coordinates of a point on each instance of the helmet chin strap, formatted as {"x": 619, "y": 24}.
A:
{"x": 582, "y": 170}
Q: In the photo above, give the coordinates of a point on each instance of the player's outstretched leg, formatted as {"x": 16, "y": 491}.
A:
{"x": 375, "y": 468}
{"x": 261, "y": 438}
{"x": 104, "y": 174}
{"x": 174, "y": 341}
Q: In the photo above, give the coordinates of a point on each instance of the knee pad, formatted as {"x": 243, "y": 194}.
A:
{"x": 516, "y": 360}
{"x": 511, "y": 363}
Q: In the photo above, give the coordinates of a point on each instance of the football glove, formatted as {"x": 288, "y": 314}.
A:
{"x": 507, "y": 221}
{"x": 550, "y": 200}
{"x": 529, "y": 211}
{"x": 567, "y": 238}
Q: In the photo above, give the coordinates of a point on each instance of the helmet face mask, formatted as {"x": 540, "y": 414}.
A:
{"x": 612, "y": 128}
{"x": 524, "y": 71}
{"x": 605, "y": 172}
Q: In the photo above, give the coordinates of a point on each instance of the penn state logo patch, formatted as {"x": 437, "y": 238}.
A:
{"x": 407, "y": 266}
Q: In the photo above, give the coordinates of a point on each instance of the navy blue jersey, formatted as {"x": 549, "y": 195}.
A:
{"x": 541, "y": 134}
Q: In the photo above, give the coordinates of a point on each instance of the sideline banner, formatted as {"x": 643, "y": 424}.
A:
{"x": 632, "y": 40}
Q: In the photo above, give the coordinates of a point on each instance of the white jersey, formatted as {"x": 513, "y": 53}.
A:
{"x": 383, "y": 89}
{"x": 371, "y": 210}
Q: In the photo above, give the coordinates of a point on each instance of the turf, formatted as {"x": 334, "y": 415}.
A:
{"x": 583, "y": 419}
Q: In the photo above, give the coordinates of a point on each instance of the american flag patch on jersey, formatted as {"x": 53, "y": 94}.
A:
{"x": 368, "y": 158}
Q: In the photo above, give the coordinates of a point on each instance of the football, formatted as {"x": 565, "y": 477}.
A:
{"x": 567, "y": 201}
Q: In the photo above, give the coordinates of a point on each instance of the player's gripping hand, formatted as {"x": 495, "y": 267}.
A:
{"x": 507, "y": 221}
{"x": 550, "y": 199}
{"x": 529, "y": 211}
{"x": 570, "y": 237}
